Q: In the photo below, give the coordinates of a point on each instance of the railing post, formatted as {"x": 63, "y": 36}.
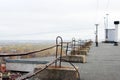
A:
{"x": 67, "y": 48}
{"x": 57, "y": 45}
{"x": 73, "y": 44}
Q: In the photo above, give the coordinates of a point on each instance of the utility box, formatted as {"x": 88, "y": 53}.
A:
{"x": 111, "y": 35}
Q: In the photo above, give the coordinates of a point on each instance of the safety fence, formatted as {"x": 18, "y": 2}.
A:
{"x": 59, "y": 44}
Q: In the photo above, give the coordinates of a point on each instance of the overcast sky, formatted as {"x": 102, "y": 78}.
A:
{"x": 46, "y": 19}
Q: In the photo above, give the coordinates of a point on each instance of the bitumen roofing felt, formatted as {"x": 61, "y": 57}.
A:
{"x": 103, "y": 63}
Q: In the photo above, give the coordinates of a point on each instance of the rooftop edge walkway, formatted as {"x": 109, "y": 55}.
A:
{"x": 103, "y": 63}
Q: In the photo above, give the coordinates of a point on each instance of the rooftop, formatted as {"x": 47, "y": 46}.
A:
{"x": 103, "y": 63}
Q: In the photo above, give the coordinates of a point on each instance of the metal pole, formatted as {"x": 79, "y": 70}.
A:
{"x": 107, "y": 21}
{"x": 73, "y": 44}
{"x": 116, "y": 33}
{"x": 106, "y": 27}
{"x": 96, "y": 40}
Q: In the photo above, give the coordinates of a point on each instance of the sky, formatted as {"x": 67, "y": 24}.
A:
{"x": 47, "y": 19}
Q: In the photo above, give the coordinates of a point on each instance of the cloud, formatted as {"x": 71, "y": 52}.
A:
{"x": 25, "y": 19}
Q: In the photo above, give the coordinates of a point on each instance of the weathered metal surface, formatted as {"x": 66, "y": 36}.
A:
{"x": 23, "y": 65}
{"x": 25, "y": 61}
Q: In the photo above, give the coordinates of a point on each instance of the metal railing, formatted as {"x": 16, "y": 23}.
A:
{"x": 31, "y": 74}
{"x": 58, "y": 44}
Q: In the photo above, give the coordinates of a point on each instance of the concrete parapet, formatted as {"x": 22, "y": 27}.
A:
{"x": 79, "y": 52}
{"x": 57, "y": 73}
{"x": 87, "y": 49}
{"x": 75, "y": 58}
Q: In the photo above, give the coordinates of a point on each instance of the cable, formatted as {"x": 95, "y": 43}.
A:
{"x": 21, "y": 54}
